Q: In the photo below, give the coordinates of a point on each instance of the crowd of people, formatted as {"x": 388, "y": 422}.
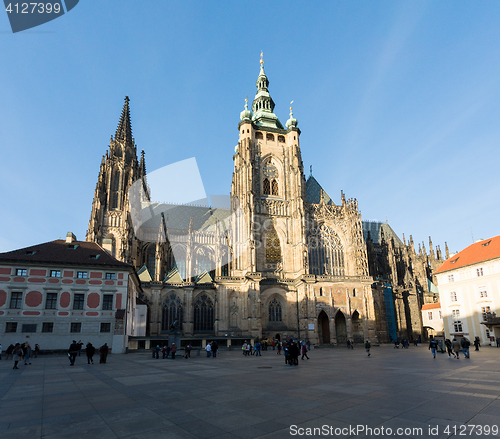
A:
{"x": 19, "y": 352}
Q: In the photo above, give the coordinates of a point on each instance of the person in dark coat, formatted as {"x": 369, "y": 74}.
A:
{"x": 73, "y": 352}
{"x": 294, "y": 354}
{"x": 304, "y": 351}
{"x": 90, "y": 351}
{"x": 37, "y": 350}
{"x": 103, "y": 351}
{"x": 9, "y": 351}
{"x": 449, "y": 348}
{"x": 477, "y": 343}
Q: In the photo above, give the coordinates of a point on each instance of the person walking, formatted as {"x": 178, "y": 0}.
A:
{"x": 465, "y": 347}
{"x": 215, "y": 348}
{"x": 187, "y": 351}
{"x": 433, "y": 346}
{"x": 304, "y": 351}
{"x": 279, "y": 348}
{"x": 208, "y": 348}
{"x": 17, "y": 355}
{"x": 348, "y": 344}
{"x": 456, "y": 347}
{"x": 294, "y": 354}
{"x": 173, "y": 350}
{"x": 9, "y": 351}
{"x": 367, "y": 347}
{"x": 73, "y": 352}
{"x": 28, "y": 352}
{"x": 477, "y": 343}
{"x": 498, "y": 342}
{"x": 103, "y": 351}
{"x": 37, "y": 350}
{"x": 257, "y": 349}
{"x": 90, "y": 351}
{"x": 449, "y": 348}
{"x": 80, "y": 345}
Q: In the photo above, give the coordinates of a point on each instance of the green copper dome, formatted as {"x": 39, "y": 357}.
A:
{"x": 246, "y": 114}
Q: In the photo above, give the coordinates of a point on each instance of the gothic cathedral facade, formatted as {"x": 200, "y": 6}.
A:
{"x": 299, "y": 265}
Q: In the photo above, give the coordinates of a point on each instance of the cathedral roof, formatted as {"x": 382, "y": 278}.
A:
{"x": 60, "y": 252}
{"x": 478, "y": 252}
{"x": 181, "y": 217}
{"x": 313, "y": 192}
{"x": 376, "y": 230}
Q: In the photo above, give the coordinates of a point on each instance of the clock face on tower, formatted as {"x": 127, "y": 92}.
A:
{"x": 270, "y": 171}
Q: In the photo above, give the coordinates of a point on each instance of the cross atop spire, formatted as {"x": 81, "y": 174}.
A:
{"x": 124, "y": 130}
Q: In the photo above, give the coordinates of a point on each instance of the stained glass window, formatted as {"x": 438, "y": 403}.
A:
{"x": 326, "y": 254}
{"x": 203, "y": 314}
{"x": 273, "y": 247}
{"x": 172, "y": 311}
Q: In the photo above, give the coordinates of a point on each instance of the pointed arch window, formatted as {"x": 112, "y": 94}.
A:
{"x": 171, "y": 311}
{"x": 114, "y": 200}
{"x": 204, "y": 262}
{"x": 326, "y": 254}
{"x": 203, "y": 314}
{"x": 116, "y": 180}
{"x": 266, "y": 187}
{"x": 274, "y": 187}
{"x": 275, "y": 311}
{"x": 177, "y": 261}
{"x": 151, "y": 259}
{"x": 273, "y": 247}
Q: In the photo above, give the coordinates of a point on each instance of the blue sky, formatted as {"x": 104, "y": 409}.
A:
{"x": 398, "y": 103}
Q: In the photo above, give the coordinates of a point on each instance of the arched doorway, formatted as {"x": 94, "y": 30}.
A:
{"x": 340, "y": 328}
{"x": 357, "y": 328}
{"x": 323, "y": 328}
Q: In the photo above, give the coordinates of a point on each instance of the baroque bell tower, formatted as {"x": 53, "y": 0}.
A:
{"x": 110, "y": 224}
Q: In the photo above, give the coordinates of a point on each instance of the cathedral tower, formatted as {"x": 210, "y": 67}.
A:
{"x": 269, "y": 184}
{"x": 110, "y": 224}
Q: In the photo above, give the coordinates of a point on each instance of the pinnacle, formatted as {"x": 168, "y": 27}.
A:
{"x": 124, "y": 130}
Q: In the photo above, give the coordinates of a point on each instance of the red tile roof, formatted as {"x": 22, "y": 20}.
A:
{"x": 62, "y": 253}
{"x": 478, "y": 252}
{"x": 431, "y": 306}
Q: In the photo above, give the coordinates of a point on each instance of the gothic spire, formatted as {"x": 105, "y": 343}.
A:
{"x": 124, "y": 130}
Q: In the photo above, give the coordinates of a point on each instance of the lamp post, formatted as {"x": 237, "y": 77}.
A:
{"x": 298, "y": 321}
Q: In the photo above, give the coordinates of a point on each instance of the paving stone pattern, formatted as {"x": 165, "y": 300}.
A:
{"x": 231, "y": 396}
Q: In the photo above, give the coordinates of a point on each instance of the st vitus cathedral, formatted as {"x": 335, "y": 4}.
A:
{"x": 299, "y": 264}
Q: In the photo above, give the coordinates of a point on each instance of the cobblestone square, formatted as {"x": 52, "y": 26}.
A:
{"x": 337, "y": 391}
